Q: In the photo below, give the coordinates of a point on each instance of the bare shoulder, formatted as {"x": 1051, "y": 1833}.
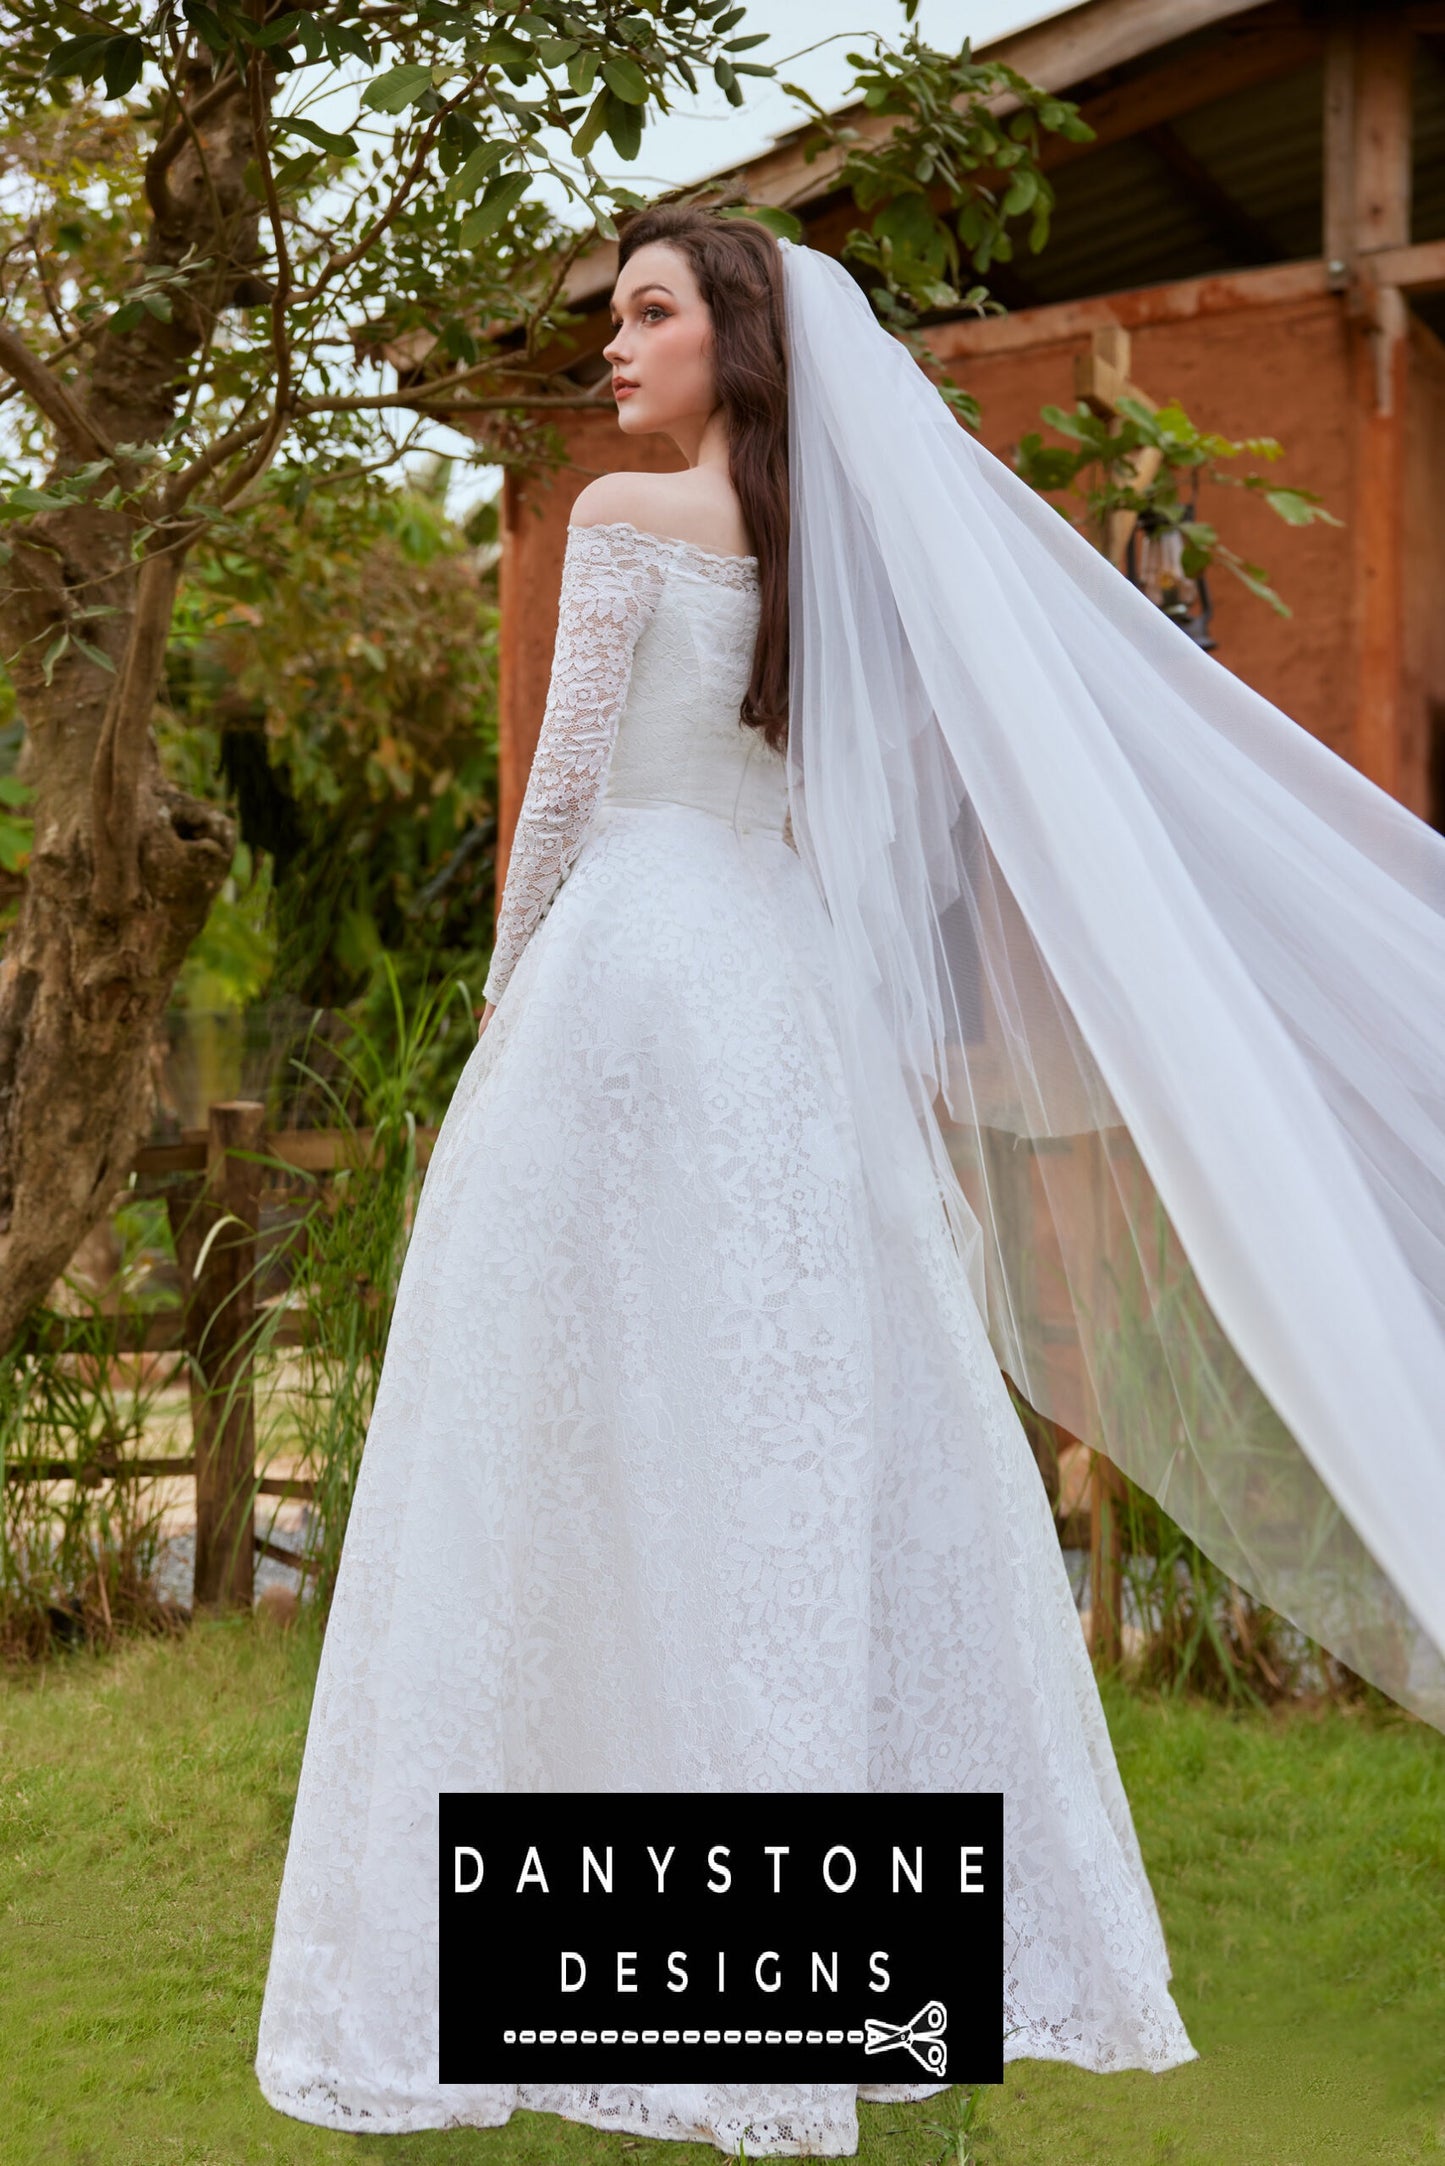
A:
{"x": 679, "y": 507}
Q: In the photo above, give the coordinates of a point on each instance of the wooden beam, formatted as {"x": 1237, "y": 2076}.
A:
{"x": 1241, "y": 233}
{"x": 1379, "y": 542}
{"x": 1382, "y": 132}
{"x": 1101, "y": 381}
{"x": 1254, "y": 53}
{"x": 1420, "y": 268}
{"x": 306, "y": 1150}
{"x": 1338, "y": 175}
{"x": 1183, "y": 301}
{"x": 1367, "y": 226}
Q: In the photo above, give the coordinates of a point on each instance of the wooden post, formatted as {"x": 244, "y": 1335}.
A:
{"x": 220, "y": 1319}
{"x": 1106, "y": 1577}
{"x": 1101, "y": 379}
{"x": 1367, "y": 210}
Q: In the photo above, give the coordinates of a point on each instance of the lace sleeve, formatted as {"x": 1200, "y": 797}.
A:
{"x": 611, "y": 580}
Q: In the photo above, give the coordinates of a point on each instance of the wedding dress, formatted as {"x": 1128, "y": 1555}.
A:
{"x": 688, "y": 1470}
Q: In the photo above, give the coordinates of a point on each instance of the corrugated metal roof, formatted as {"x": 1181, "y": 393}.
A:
{"x": 1127, "y": 217}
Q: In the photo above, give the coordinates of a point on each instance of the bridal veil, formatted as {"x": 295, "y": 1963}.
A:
{"x": 1162, "y": 981}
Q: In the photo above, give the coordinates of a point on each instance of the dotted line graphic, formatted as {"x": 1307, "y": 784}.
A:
{"x": 683, "y": 2038}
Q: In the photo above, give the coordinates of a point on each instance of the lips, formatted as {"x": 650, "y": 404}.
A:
{"x": 621, "y": 387}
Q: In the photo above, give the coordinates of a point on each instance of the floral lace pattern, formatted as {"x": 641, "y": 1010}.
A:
{"x": 687, "y": 1472}
{"x": 612, "y": 579}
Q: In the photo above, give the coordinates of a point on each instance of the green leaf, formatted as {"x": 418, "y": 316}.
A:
{"x": 501, "y": 198}
{"x": 779, "y": 222}
{"x": 92, "y": 654}
{"x": 15, "y": 792}
{"x": 83, "y": 56}
{"x": 124, "y": 59}
{"x": 341, "y": 38}
{"x": 624, "y": 127}
{"x": 1022, "y": 191}
{"x": 507, "y": 51}
{"x": 468, "y": 178}
{"x": 591, "y": 129}
{"x": 963, "y": 403}
{"x": 127, "y": 316}
{"x": 398, "y": 88}
{"x": 159, "y": 306}
{"x": 285, "y": 26}
{"x": 625, "y": 79}
{"x": 581, "y": 74}
{"x": 1297, "y": 507}
{"x": 208, "y": 28}
{"x": 53, "y": 654}
{"x": 725, "y": 76}
{"x": 341, "y": 146}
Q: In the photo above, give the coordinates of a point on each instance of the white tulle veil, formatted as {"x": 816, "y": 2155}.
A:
{"x": 1162, "y": 980}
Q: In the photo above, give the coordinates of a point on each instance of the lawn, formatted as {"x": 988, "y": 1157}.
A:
{"x": 144, "y": 1799}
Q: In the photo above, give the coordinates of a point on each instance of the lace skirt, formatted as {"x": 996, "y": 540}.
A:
{"x": 686, "y": 1473}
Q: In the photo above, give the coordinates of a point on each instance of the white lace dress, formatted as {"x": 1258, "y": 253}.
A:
{"x": 683, "y": 1473}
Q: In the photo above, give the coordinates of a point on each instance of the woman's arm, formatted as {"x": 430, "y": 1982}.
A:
{"x": 610, "y": 589}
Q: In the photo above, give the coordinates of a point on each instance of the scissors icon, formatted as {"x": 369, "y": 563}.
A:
{"x": 921, "y": 2034}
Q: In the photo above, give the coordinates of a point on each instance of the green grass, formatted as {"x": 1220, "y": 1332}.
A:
{"x": 144, "y": 1799}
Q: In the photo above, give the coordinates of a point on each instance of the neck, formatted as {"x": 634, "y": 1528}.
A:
{"x": 703, "y": 439}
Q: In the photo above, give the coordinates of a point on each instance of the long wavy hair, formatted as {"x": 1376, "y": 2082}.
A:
{"x": 739, "y": 270}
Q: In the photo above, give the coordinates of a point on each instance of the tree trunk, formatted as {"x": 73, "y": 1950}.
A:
{"x": 125, "y": 865}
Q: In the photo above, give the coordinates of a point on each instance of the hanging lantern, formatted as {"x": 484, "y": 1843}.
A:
{"x": 1154, "y": 560}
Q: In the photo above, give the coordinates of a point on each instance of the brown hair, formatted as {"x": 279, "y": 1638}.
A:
{"x": 739, "y": 270}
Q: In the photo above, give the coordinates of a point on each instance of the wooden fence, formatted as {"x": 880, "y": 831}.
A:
{"x": 223, "y": 1168}
{"x": 214, "y": 1210}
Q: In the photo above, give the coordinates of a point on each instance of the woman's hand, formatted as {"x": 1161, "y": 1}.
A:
{"x": 489, "y": 1009}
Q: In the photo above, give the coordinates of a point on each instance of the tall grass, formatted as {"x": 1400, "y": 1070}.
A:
{"x": 78, "y": 1555}
{"x": 1169, "y": 1371}
{"x": 351, "y": 1244}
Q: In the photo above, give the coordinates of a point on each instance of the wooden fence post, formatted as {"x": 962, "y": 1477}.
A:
{"x": 220, "y": 1322}
{"x": 1106, "y": 1578}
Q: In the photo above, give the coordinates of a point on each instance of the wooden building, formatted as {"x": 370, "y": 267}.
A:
{"x": 1262, "y": 210}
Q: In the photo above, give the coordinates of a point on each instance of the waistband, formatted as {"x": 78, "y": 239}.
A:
{"x": 746, "y": 824}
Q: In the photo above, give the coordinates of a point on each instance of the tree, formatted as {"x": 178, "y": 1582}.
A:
{"x": 256, "y": 247}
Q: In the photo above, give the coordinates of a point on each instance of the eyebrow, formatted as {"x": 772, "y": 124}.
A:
{"x": 653, "y": 286}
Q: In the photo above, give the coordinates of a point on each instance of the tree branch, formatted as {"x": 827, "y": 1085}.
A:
{"x": 184, "y": 485}
{"x": 226, "y": 85}
{"x": 51, "y": 396}
{"x": 115, "y": 777}
{"x": 400, "y": 195}
{"x": 265, "y": 450}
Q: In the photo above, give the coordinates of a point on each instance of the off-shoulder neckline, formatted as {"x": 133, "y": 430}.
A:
{"x": 668, "y": 541}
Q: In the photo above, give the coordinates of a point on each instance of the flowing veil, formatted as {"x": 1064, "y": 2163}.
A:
{"x": 1161, "y": 980}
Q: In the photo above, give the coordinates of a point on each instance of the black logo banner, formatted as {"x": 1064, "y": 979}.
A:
{"x": 660, "y": 1937}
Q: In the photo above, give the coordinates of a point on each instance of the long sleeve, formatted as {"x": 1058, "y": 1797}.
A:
{"x": 611, "y": 581}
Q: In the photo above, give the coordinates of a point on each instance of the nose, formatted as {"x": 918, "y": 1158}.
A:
{"x": 612, "y": 351}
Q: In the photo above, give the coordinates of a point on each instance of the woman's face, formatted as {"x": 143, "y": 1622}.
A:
{"x": 661, "y": 349}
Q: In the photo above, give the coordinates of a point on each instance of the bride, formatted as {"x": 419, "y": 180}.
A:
{"x": 693, "y": 1466}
